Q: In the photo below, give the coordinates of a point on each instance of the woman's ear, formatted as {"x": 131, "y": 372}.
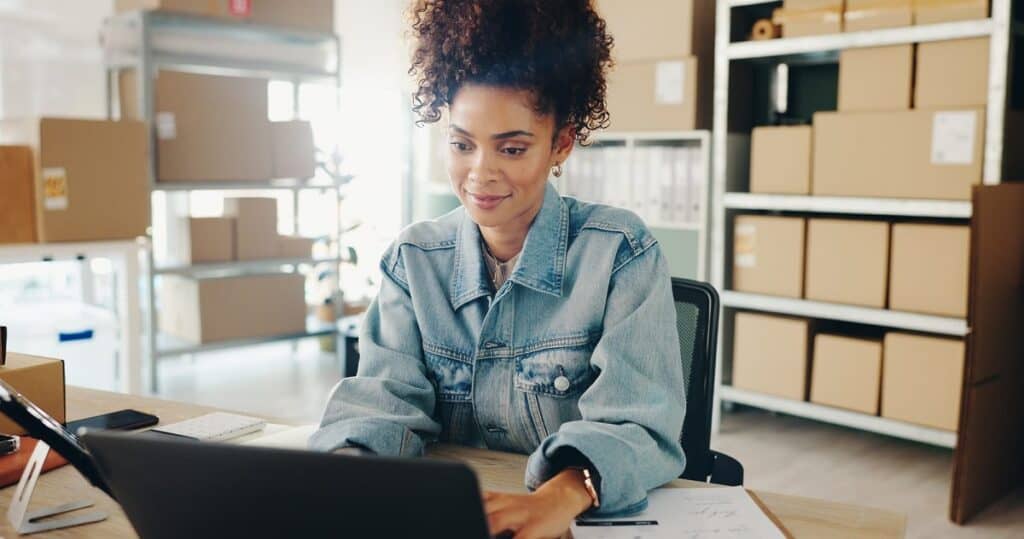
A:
{"x": 564, "y": 142}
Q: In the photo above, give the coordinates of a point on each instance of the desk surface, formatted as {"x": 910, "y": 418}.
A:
{"x": 802, "y": 517}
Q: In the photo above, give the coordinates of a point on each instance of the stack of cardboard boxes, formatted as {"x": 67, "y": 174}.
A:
{"x": 817, "y": 17}
{"x": 909, "y": 125}
{"x": 59, "y": 178}
{"x": 664, "y": 53}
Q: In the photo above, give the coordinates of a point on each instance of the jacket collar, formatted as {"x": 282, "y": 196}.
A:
{"x": 541, "y": 264}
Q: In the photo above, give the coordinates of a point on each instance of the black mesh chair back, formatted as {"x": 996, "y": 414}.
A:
{"x": 697, "y": 311}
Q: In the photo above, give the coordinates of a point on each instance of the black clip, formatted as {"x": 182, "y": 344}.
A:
{"x": 3, "y": 346}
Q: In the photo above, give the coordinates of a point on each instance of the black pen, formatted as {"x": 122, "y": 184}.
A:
{"x": 616, "y": 522}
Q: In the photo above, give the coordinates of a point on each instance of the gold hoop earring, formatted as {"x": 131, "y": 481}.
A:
{"x": 556, "y": 170}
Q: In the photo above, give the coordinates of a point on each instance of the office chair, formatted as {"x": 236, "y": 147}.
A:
{"x": 697, "y": 323}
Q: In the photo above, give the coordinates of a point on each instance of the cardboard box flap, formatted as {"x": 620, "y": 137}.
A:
{"x": 988, "y": 460}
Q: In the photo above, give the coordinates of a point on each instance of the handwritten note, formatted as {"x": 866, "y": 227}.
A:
{"x": 689, "y": 513}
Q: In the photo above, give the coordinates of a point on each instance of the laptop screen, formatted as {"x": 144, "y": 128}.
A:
{"x": 41, "y": 425}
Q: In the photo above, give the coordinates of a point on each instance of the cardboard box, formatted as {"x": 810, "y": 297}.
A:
{"x": 255, "y": 227}
{"x": 809, "y": 17}
{"x": 847, "y": 261}
{"x": 202, "y": 240}
{"x": 208, "y": 127}
{"x": 658, "y": 95}
{"x": 923, "y": 379}
{"x": 770, "y": 355}
{"x": 313, "y": 15}
{"x": 911, "y": 154}
{"x": 294, "y": 154}
{"x": 876, "y": 79}
{"x": 938, "y": 11}
{"x": 929, "y": 269}
{"x": 295, "y": 247}
{"x": 847, "y": 372}
{"x": 202, "y": 311}
{"x": 652, "y": 29}
{"x": 863, "y": 15}
{"x": 952, "y": 74}
{"x": 780, "y": 160}
{"x": 768, "y": 255}
{"x": 17, "y": 195}
{"x": 40, "y": 380}
{"x": 80, "y": 168}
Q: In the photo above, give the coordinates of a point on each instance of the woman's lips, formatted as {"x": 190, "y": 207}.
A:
{"x": 485, "y": 202}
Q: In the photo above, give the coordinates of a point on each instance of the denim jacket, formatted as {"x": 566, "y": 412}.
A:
{"x": 578, "y": 349}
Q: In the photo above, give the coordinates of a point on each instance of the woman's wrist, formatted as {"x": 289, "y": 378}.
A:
{"x": 568, "y": 488}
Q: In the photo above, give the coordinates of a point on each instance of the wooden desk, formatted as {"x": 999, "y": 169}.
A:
{"x": 498, "y": 471}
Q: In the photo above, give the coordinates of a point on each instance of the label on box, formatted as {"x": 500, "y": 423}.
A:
{"x": 953, "y": 137}
{"x": 55, "y": 188}
{"x": 166, "y": 127}
{"x": 745, "y": 246}
{"x": 669, "y": 78}
{"x": 240, "y": 8}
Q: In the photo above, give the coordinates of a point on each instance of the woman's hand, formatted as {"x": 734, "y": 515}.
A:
{"x": 548, "y": 512}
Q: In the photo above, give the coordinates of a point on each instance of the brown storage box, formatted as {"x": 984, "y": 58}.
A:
{"x": 222, "y": 309}
{"x": 203, "y": 240}
{"x": 40, "y": 380}
{"x": 658, "y": 95}
{"x": 649, "y": 29}
{"x": 911, "y": 154}
{"x": 876, "y": 79}
{"x": 255, "y": 227}
{"x": 929, "y": 269}
{"x": 770, "y": 355}
{"x": 862, "y": 15}
{"x": 17, "y": 195}
{"x": 314, "y": 15}
{"x": 80, "y": 167}
{"x": 847, "y": 261}
{"x": 780, "y": 160}
{"x": 809, "y": 17}
{"x": 768, "y": 255}
{"x": 936, "y": 11}
{"x": 208, "y": 127}
{"x": 922, "y": 380}
{"x": 847, "y": 372}
{"x": 295, "y": 247}
{"x": 294, "y": 154}
{"x": 952, "y": 74}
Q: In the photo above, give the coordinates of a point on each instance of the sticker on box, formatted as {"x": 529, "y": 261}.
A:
{"x": 669, "y": 78}
{"x": 745, "y": 246}
{"x": 953, "y": 137}
{"x": 166, "y": 126}
{"x": 55, "y": 188}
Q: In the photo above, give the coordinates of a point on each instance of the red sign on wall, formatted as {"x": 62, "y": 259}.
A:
{"x": 240, "y": 8}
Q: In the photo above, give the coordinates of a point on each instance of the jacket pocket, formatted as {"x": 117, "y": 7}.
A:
{"x": 557, "y": 367}
{"x": 452, "y": 377}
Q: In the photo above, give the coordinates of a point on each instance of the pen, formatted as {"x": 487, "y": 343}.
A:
{"x": 616, "y": 522}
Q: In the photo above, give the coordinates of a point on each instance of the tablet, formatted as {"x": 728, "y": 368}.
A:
{"x": 41, "y": 425}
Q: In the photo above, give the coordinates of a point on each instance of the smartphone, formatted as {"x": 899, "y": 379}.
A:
{"x": 119, "y": 420}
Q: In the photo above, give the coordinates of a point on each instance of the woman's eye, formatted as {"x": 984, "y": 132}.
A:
{"x": 459, "y": 146}
{"x": 512, "y": 150}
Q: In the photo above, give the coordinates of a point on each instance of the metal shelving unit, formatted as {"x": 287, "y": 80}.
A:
{"x": 728, "y": 168}
{"x": 148, "y": 41}
{"x": 702, "y": 139}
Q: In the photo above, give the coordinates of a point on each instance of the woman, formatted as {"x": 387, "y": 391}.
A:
{"x": 522, "y": 321}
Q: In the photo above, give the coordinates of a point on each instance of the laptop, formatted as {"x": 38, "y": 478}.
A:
{"x": 171, "y": 487}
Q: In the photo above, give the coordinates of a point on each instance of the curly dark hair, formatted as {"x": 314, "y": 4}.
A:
{"x": 559, "y": 50}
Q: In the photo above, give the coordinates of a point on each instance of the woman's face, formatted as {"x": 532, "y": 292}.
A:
{"x": 500, "y": 154}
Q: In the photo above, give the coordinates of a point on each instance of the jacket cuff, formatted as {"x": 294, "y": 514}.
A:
{"x": 619, "y": 493}
{"x": 382, "y": 438}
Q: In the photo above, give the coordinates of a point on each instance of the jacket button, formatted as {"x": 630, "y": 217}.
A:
{"x": 561, "y": 383}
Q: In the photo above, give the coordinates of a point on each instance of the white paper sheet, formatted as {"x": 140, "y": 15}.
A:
{"x": 692, "y": 513}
